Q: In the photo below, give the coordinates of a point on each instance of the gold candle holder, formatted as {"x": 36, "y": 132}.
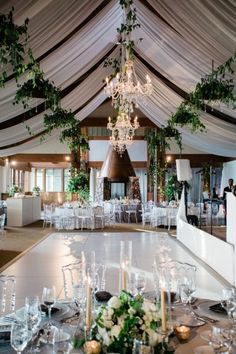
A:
{"x": 182, "y": 333}
{"x": 92, "y": 347}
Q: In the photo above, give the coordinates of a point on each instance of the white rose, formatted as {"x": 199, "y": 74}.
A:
{"x": 115, "y": 331}
{"x": 121, "y": 321}
{"x": 108, "y": 323}
{"x": 106, "y": 339}
{"x": 131, "y": 311}
{"x": 110, "y": 312}
{"x": 114, "y": 302}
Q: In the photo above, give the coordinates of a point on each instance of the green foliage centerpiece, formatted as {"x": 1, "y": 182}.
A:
{"x": 124, "y": 319}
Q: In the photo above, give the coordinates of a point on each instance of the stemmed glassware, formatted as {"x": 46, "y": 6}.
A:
{"x": 32, "y": 316}
{"x": 228, "y": 300}
{"x": 19, "y": 336}
{"x": 140, "y": 282}
{"x": 49, "y": 299}
{"x": 221, "y": 339}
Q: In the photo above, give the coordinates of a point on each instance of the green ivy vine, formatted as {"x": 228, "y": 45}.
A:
{"x": 13, "y": 40}
{"x": 74, "y": 138}
{"x": 186, "y": 115}
{"x": 215, "y": 86}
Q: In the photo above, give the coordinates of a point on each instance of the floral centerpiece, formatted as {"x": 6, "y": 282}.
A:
{"x": 36, "y": 191}
{"x": 124, "y": 319}
{"x": 13, "y": 190}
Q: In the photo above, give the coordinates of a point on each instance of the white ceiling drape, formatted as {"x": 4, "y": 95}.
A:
{"x": 180, "y": 40}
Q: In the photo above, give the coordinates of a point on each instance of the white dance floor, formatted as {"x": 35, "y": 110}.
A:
{"x": 41, "y": 265}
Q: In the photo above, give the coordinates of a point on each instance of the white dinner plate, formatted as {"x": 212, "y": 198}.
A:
{"x": 203, "y": 309}
{"x": 190, "y": 321}
{"x": 204, "y": 349}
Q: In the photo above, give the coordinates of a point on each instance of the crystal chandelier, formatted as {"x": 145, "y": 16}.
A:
{"x": 122, "y": 131}
{"x": 125, "y": 89}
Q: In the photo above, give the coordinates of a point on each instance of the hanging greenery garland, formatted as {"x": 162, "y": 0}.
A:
{"x": 74, "y": 138}
{"x": 186, "y": 115}
{"x": 215, "y": 86}
{"x": 13, "y": 39}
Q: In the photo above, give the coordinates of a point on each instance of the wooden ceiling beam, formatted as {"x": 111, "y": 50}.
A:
{"x": 102, "y": 122}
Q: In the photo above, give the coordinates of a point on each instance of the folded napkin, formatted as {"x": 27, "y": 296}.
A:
{"x": 44, "y": 309}
{"x": 218, "y": 309}
{"x": 102, "y": 296}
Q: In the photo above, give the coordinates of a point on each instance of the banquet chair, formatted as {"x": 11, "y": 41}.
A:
{"x": 48, "y": 215}
{"x": 171, "y": 215}
{"x": 158, "y": 216}
{"x": 173, "y": 274}
{"x": 145, "y": 213}
{"x": 68, "y": 218}
{"x": 84, "y": 218}
{"x": 2, "y": 224}
{"x": 132, "y": 210}
{"x": 118, "y": 212}
{"x": 99, "y": 218}
{"x": 109, "y": 216}
{"x": 73, "y": 274}
{"x": 7, "y": 294}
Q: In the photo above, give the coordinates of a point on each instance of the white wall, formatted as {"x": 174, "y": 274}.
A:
{"x": 99, "y": 148}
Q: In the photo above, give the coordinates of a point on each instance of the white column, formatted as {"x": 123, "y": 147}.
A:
{"x": 92, "y": 184}
{"x": 1, "y": 179}
{"x": 6, "y": 175}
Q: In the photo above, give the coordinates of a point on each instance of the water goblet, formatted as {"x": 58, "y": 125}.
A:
{"x": 32, "y": 316}
{"x": 140, "y": 282}
{"x": 49, "y": 299}
{"x": 228, "y": 300}
{"x": 19, "y": 336}
{"x": 216, "y": 340}
{"x": 61, "y": 340}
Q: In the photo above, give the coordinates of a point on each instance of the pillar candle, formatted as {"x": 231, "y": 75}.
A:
{"x": 163, "y": 311}
{"x": 83, "y": 261}
{"x": 123, "y": 277}
{"x": 88, "y": 304}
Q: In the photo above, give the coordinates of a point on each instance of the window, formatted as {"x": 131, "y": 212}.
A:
{"x": 39, "y": 178}
{"x": 53, "y": 180}
{"x": 66, "y": 178}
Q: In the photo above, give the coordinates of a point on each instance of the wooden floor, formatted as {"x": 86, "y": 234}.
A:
{"x": 218, "y": 231}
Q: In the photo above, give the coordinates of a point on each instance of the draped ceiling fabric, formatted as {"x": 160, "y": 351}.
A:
{"x": 72, "y": 38}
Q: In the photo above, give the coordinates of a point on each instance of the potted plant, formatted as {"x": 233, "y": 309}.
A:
{"x": 36, "y": 191}
{"x": 13, "y": 190}
{"x": 79, "y": 184}
{"x": 173, "y": 188}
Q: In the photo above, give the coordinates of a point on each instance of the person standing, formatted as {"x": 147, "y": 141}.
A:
{"x": 227, "y": 189}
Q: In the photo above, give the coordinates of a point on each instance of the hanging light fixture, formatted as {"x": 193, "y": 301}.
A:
{"x": 125, "y": 89}
{"x": 122, "y": 131}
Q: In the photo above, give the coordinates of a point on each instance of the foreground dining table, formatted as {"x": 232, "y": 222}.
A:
{"x": 41, "y": 266}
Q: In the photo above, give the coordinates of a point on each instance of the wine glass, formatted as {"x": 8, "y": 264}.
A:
{"x": 32, "y": 316}
{"x": 140, "y": 282}
{"x": 216, "y": 340}
{"x": 61, "y": 340}
{"x": 228, "y": 300}
{"x": 49, "y": 299}
{"x": 19, "y": 336}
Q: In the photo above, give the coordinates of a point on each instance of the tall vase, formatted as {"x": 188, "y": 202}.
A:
{"x": 125, "y": 265}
